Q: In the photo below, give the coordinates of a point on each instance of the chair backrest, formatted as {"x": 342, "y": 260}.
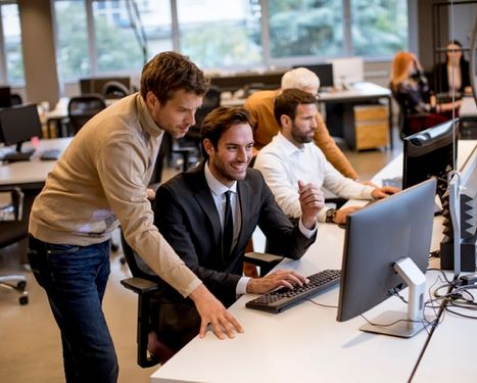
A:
{"x": 115, "y": 90}
{"x": 82, "y": 108}
{"x": 16, "y": 99}
{"x": 16, "y": 211}
{"x": 136, "y": 264}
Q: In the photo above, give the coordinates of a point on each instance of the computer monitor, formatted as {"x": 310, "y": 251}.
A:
{"x": 431, "y": 153}
{"x": 323, "y": 71}
{"x": 347, "y": 71}
{"x": 97, "y": 84}
{"x": 387, "y": 247}
{"x": 5, "y": 97}
{"x": 458, "y": 249}
{"x": 17, "y": 125}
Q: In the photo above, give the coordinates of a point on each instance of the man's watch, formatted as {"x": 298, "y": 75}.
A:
{"x": 330, "y": 215}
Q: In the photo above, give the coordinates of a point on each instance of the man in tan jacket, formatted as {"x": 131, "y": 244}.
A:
{"x": 101, "y": 180}
{"x": 260, "y": 106}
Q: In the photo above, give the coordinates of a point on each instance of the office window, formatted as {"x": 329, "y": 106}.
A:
{"x": 220, "y": 34}
{"x": 12, "y": 44}
{"x": 72, "y": 50}
{"x": 379, "y": 27}
{"x": 305, "y": 28}
{"x": 128, "y": 33}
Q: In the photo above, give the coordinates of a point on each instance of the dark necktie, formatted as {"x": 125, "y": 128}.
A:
{"x": 228, "y": 235}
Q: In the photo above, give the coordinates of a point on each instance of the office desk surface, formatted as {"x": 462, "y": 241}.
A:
{"x": 358, "y": 91}
{"x": 305, "y": 343}
{"x": 35, "y": 170}
{"x": 449, "y": 356}
{"x": 302, "y": 344}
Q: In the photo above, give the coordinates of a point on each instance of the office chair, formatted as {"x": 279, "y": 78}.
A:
{"x": 14, "y": 212}
{"x": 145, "y": 284}
{"x": 115, "y": 90}
{"x": 16, "y": 99}
{"x": 83, "y": 108}
{"x": 409, "y": 123}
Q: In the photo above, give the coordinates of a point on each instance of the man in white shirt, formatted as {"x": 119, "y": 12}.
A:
{"x": 292, "y": 158}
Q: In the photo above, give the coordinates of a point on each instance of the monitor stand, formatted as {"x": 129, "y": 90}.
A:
{"x": 402, "y": 324}
{"x": 19, "y": 156}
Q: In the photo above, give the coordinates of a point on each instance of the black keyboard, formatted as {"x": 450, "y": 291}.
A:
{"x": 278, "y": 300}
{"x": 50, "y": 155}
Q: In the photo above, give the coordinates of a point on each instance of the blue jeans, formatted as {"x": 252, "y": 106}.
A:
{"x": 74, "y": 278}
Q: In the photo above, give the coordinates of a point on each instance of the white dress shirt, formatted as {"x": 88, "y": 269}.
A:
{"x": 218, "y": 190}
{"x": 283, "y": 165}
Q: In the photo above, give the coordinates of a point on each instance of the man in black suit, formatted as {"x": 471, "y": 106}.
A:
{"x": 191, "y": 211}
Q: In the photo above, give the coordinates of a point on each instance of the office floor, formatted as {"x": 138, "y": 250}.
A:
{"x": 29, "y": 339}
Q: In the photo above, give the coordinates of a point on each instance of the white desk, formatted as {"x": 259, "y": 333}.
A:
{"x": 359, "y": 92}
{"x": 449, "y": 357}
{"x": 34, "y": 171}
{"x": 305, "y": 343}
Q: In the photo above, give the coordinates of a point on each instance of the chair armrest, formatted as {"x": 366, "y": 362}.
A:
{"x": 141, "y": 286}
{"x": 16, "y": 202}
{"x": 265, "y": 261}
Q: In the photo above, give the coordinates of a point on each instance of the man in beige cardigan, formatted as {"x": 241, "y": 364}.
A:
{"x": 100, "y": 181}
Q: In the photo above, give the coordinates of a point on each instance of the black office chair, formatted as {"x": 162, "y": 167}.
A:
{"x": 16, "y": 99}
{"x": 115, "y": 90}
{"x": 145, "y": 284}
{"x": 82, "y": 108}
{"x": 14, "y": 212}
{"x": 409, "y": 123}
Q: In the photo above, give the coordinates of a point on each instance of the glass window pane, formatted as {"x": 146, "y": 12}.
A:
{"x": 306, "y": 28}
{"x": 220, "y": 34}
{"x": 119, "y": 33}
{"x": 379, "y": 27}
{"x": 13, "y": 44}
{"x": 72, "y": 39}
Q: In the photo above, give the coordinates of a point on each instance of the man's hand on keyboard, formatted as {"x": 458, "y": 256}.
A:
{"x": 286, "y": 278}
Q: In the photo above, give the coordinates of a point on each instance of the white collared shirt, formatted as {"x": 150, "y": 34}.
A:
{"x": 217, "y": 190}
{"x": 283, "y": 165}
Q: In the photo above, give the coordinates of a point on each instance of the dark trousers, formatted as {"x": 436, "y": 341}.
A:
{"x": 74, "y": 278}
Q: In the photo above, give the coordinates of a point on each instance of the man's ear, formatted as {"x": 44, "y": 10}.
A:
{"x": 208, "y": 146}
{"x": 151, "y": 99}
{"x": 285, "y": 121}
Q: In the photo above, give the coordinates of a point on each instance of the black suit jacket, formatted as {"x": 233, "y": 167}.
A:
{"x": 186, "y": 216}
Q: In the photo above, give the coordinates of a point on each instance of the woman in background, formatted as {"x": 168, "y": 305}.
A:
{"x": 453, "y": 76}
{"x": 411, "y": 90}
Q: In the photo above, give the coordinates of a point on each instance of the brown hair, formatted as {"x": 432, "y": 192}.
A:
{"x": 219, "y": 120}
{"x": 287, "y": 102}
{"x": 168, "y": 72}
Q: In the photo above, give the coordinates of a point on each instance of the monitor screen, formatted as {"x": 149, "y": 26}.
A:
{"x": 378, "y": 238}
{"x": 19, "y": 124}
{"x": 98, "y": 84}
{"x": 323, "y": 71}
{"x": 5, "y": 97}
{"x": 347, "y": 71}
{"x": 431, "y": 153}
